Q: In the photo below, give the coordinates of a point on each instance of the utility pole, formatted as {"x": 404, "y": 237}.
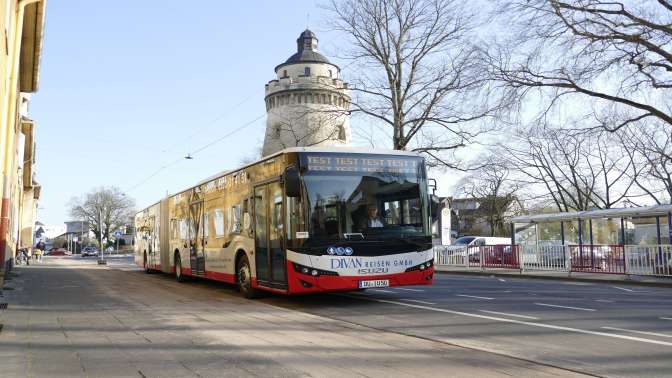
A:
{"x": 101, "y": 261}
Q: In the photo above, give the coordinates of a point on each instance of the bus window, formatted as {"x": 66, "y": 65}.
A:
{"x": 234, "y": 219}
{"x": 219, "y": 223}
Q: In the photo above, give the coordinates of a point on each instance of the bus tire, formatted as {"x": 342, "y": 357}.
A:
{"x": 244, "y": 277}
{"x": 178, "y": 269}
{"x": 144, "y": 263}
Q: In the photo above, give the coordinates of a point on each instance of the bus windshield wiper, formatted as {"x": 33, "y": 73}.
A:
{"x": 353, "y": 235}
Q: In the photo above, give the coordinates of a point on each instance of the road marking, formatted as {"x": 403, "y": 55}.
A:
{"x": 514, "y": 321}
{"x": 382, "y": 291}
{"x": 501, "y": 280}
{"x": 623, "y": 288}
{"x": 418, "y": 301}
{"x": 604, "y": 301}
{"x": 664, "y": 318}
{"x": 569, "y": 307}
{"x": 474, "y": 296}
{"x": 508, "y": 314}
{"x": 407, "y": 289}
{"x": 633, "y": 331}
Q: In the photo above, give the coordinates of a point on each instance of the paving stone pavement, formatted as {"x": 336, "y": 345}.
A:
{"x": 72, "y": 318}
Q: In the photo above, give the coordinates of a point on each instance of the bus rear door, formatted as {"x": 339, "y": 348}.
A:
{"x": 269, "y": 230}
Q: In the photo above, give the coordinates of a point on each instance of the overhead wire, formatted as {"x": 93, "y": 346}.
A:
{"x": 194, "y": 152}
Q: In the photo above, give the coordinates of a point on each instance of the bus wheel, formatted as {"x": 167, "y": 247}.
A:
{"x": 178, "y": 269}
{"x": 144, "y": 262}
{"x": 245, "y": 278}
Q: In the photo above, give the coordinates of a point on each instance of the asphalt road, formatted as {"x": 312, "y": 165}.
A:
{"x": 601, "y": 329}
{"x": 69, "y": 317}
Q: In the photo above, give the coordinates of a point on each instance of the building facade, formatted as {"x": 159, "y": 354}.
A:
{"x": 307, "y": 104}
{"x": 22, "y": 25}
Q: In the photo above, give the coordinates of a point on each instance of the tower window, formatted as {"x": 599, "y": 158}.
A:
{"x": 284, "y": 73}
{"x": 306, "y": 71}
{"x": 329, "y": 73}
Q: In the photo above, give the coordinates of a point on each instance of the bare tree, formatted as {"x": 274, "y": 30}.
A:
{"x": 613, "y": 57}
{"x": 309, "y": 127}
{"x": 649, "y": 149}
{"x": 493, "y": 189}
{"x": 105, "y": 209}
{"x": 576, "y": 171}
{"x": 421, "y": 77}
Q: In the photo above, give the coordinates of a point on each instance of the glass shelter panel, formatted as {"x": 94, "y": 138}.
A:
{"x": 550, "y": 233}
{"x": 526, "y": 233}
{"x": 640, "y": 231}
{"x": 607, "y": 231}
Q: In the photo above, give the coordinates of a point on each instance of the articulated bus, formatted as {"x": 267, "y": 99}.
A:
{"x": 299, "y": 221}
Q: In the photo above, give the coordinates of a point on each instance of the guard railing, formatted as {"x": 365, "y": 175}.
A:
{"x": 614, "y": 259}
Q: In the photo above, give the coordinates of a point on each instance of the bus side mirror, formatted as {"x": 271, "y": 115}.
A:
{"x": 434, "y": 206}
{"x": 292, "y": 182}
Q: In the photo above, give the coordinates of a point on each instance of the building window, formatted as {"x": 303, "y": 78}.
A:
{"x": 306, "y": 71}
{"x": 284, "y": 73}
{"x": 341, "y": 132}
{"x": 330, "y": 73}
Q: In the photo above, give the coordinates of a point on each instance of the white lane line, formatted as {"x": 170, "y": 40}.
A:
{"x": 633, "y": 331}
{"x": 382, "y": 291}
{"x": 623, "y": 288}
{"x": 474, "y": 296}
{"x": 508, "y": 314}
{"x": 407, "y": 289}
{"x": 569, "y": 307}
{"x": 418, "y": 301}
{"x": 664, "y": 318}
{"x": 522, "y": 322}
{"x": 604, "y": 301}
{"x": 501, "y": 280}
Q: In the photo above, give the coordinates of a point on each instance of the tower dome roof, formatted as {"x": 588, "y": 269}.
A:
{"x": 306, "y": 46}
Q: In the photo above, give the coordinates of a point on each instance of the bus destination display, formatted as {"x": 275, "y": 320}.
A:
{"x": 378, "y": 164}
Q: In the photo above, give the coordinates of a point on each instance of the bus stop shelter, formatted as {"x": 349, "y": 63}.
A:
{"x": 633, "y": 240}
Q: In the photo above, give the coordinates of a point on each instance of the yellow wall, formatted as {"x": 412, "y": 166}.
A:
{"x": 16, "y": 71}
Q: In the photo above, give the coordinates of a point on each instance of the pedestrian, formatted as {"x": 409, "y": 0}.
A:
{"x": 25, "y": 255}
{"x": 38, "y": 255}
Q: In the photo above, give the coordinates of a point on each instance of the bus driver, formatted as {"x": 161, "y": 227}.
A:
{"x": 372, "y": 219}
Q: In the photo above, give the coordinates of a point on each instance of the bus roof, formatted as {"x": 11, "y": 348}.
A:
{"x": 625, "y": 212}
{"x": 349, "y": 150}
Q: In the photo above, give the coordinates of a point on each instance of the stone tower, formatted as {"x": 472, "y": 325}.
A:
{"x": 307, "y": 104}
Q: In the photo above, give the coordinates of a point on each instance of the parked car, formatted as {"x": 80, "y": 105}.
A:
{"x": 89, "y": 251}
{"x": 471, "y": 244}
{"x": 58, "y": 252}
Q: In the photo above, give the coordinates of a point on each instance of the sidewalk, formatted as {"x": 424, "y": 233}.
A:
{"x": 82, "y": 320}
{"x": 554, "y": 275}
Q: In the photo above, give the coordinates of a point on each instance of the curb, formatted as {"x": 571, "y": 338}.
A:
{"x": 556, "y": 278}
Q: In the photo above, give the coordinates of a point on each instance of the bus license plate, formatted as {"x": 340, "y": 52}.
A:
{"x": 373, "y": 283}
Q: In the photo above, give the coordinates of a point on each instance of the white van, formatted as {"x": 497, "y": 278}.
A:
{"x": 468, "y": 245}
{"x": 474, "y": 241}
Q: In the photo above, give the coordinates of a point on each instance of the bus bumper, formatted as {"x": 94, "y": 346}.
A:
{"x": 306, "y": 283}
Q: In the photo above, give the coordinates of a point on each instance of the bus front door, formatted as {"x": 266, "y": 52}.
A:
{"x": 196, "y": 241}
{"x": 269, "y": 230}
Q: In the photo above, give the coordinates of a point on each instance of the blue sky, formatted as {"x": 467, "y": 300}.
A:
{"x": 129, "y": 86}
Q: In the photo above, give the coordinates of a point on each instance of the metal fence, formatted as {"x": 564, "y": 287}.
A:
{"x": 613, "y": 259}
{"x": 649, "y": 259}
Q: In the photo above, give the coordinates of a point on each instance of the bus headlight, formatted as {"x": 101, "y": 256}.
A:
{"x": 312, "y": 271}
{"x": 423, "y": 266}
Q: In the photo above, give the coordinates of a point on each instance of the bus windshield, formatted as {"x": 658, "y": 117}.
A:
{"x": 373, "y": 205}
